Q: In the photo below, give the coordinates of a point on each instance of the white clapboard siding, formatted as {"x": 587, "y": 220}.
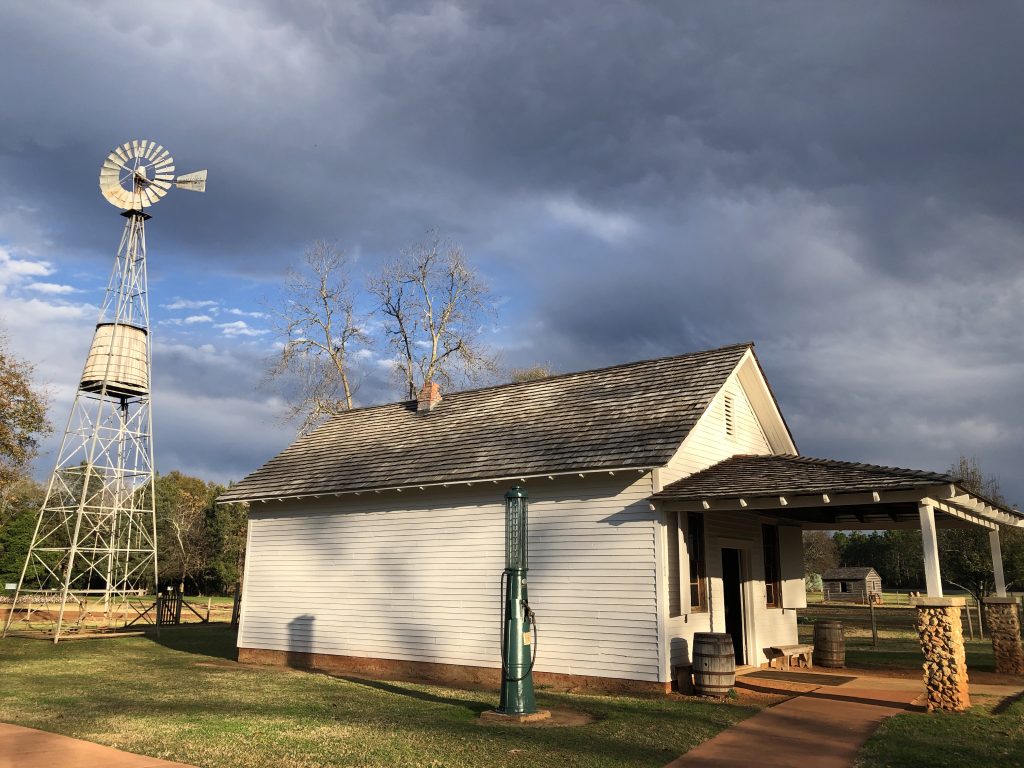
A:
{"x": 416, "y": 576}
{"x": 709, "y": 443}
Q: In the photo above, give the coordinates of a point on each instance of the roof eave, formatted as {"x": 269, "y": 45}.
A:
{"x": 264, "y": 498}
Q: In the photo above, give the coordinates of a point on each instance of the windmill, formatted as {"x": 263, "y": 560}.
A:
{"x": 95, "y": 539}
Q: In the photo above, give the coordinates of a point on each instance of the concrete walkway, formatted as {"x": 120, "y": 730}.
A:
{"x": 823, "y": 727}
{"x": 29, "y": 748}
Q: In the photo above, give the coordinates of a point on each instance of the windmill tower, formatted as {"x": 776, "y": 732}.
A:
{"x": 94, "y": 546}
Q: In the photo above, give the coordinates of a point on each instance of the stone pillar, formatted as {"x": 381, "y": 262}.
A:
{"x": 945, "y": 660}
{"x": 1004, "y": 629}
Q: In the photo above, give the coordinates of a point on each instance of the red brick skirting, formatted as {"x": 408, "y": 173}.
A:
{"x": 456, "y": 675}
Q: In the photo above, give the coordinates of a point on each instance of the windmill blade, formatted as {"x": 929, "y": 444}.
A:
{"x": 194, "y": 182}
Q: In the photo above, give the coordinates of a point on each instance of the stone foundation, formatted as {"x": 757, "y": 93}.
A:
{"x": 1003, "y": 619}
{"x": 945, "y": 662}
{"x": 455, "y": 675}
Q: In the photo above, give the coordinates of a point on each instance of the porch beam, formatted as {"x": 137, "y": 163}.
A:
{"x": 997, "y": 562}
{"x": 866, "y": 498}
{"x": 980, "y": 507}
{"x": 930, "y": 547}
{"x": 962, "y": 515}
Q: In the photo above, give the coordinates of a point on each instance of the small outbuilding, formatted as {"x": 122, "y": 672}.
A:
{"x": 852, "y": 585}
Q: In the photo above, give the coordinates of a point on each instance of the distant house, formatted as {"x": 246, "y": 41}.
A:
{"x": 852, "y": 585}
{"x": 666, "y": 498}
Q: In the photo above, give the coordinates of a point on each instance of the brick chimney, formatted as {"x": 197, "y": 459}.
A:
{"x": 428, "y": 397}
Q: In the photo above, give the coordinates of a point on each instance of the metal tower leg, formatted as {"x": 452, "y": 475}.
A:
{"x": 96, "y": 532}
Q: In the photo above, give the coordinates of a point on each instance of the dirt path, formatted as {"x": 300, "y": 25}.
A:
{"x": 29, "y": 748}
{"x": 824, "y": 727}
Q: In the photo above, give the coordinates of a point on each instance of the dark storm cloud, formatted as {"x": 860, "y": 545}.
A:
{"x": 841, "y": 182}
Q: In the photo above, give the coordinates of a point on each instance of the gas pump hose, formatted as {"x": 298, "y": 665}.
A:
{"x": 532, "y": 617}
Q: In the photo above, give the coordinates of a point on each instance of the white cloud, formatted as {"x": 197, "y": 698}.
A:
{"x": 51, "y": 288}
{"x": 243, "y": 313}
{"x": 192, "y": 319}
{"x": 14, "y": 271}
{"x": 240, "y": 328}
{"x": 180, "y": 303}
{"x": 604, "y": 225}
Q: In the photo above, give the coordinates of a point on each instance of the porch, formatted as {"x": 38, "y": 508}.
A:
{"x": 824, "y": 494}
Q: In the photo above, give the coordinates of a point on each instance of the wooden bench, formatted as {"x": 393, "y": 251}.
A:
{"x": 784, "y": 653}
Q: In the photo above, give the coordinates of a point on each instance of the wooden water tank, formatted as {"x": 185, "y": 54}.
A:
{"x": 119, "y": 357}
{"x": 829, "y": 644}
{"x": 714, "y": 663}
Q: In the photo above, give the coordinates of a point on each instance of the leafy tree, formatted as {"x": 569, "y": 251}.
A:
{"x": 965, "y": 553}
{"x": 895, "y": 554}
{"x": 820, "y": 553}
{"x": 201, "y": 544}
{"x": 181, "y": 503}
{"x": 22, "y": 422}
{"x": 22, "y": 510}
{"x": 433, "y": 307}
{"x": 228, "y": 524}
{"x": 902, "y": 559}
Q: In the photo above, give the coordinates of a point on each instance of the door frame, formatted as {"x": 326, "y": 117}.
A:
{"x": 746, "y": 594}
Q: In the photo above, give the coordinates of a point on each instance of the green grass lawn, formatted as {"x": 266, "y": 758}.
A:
{"x": 979, "y": 738}
{"x": 182, "y": 699}
{"x": 898, "y": 647}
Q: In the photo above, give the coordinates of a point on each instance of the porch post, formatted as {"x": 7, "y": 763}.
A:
{"x": 997, "y": 562}
{"x": 930, "y": 545}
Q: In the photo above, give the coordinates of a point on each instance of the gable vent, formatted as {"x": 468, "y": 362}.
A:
{"x": 730, "y": 424}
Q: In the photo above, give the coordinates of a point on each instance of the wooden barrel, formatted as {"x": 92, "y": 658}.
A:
{"x": 714, "y": 663}
{"x": 829, "y": 644}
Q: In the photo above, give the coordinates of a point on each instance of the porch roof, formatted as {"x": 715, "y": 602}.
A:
{"x": 831, "y": 494}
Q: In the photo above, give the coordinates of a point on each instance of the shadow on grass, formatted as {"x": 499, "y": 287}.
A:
{"x": 473, "y": 706}
{"x": 216, "y": 641}
{"x": 1005, "y": 704}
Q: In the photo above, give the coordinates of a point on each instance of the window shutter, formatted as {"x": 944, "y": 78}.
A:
{"x": 791, "y": 553}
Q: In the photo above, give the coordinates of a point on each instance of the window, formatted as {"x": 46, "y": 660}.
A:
{"x": 844, "y": 586}
{"x": 730, "y": 425}
{"x": 675, "y": 597}
{"x": 772, "y": 580}
{"x": 695, "y": 547}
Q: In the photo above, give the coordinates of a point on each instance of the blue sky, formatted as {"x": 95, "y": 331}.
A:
{"x": 841, "y": 183}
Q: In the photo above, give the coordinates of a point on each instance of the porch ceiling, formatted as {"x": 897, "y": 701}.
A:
{"x": 832, "y": 495}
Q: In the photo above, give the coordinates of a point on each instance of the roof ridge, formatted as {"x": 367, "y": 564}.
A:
{"x": 553, "y": 377}
{"x": 617, "y": 366}
{"x": 867, "y": 467}
{"x": 862, "y": 465}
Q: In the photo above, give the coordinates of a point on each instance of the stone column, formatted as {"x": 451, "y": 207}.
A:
{"x": 945, "y": 660}
{"x": 1004, "y": 629}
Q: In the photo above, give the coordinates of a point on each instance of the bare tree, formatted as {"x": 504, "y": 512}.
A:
{"x": 531, "y": 373}
{"x": 320, "y": 328}
{"x": 434, "y": 307}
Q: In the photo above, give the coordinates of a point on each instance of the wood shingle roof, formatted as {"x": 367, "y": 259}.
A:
{"x": 750, "y": 476}
{"x": 627, "y": 416}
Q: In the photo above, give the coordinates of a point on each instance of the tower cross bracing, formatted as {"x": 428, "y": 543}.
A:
{"x": 94, "y": 548}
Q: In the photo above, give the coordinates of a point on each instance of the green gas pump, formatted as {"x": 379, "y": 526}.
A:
{"x": 519, "y": 625}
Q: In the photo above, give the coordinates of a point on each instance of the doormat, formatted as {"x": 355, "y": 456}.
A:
{"x": 811, "y": 678}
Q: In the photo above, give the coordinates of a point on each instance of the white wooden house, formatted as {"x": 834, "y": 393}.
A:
{"x": 376, "y": 543}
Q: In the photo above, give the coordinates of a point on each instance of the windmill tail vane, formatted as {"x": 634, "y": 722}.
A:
{"x": 93, "y": 557}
